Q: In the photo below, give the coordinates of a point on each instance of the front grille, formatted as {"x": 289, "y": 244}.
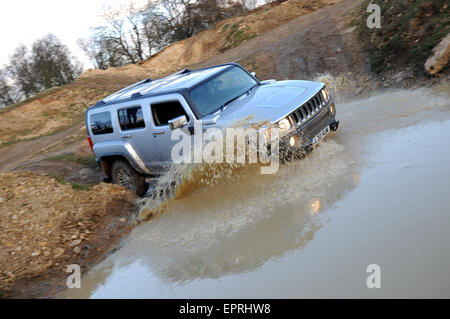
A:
{"x": 308, "y": 109}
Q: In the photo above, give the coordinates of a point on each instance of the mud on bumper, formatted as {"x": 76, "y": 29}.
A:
{"x": 305, "y": 133}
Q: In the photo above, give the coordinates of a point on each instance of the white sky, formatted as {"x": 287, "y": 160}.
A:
{"x": 23, "y": 21}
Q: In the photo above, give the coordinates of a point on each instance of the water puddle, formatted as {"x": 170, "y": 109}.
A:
{"x": 374, "y": 192}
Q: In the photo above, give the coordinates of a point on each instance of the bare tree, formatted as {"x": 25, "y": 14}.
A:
{"x": 137, "y": 33}
{"x": 133, "y": 35}
{"x": 8, "y": 92}
{"x": 102, "y": 53}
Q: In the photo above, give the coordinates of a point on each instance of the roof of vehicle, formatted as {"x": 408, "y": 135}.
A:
{"x": 176, "y": 82}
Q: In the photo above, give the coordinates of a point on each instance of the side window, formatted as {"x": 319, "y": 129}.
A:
{"x": 166, "y": 111}
{"x": 101, "y": 123}
{"x": 131, "y": 118}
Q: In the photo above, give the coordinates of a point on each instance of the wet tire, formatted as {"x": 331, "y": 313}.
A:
{"x": 125, "y": 175}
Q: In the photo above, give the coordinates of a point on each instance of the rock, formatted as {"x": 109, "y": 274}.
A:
{"x": 440, "y": 56}
{"x": 46, "y": 253}
{"x": 76, "y": 250}
{"x": 122, "y": 220}
{"x": 36, "y": 253}
{"x": 75, "y": 243}
{"x": 58, "y": 252}
{"x": 43, "y": 244}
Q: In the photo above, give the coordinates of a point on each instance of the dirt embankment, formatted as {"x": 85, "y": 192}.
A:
{"x": 410, "y": 30}
{"x": 46, "y": 225}
{"x": 230, "y": 33}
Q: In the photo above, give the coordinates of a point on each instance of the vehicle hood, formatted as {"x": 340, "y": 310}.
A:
{"x": 267, "y": 102}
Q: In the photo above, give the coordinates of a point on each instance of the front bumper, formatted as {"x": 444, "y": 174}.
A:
{"x": 305, "y": 133}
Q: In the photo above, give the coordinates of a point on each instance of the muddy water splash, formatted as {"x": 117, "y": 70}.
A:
{"x": 183, "y": 179}
{"x": 268, "y": 235}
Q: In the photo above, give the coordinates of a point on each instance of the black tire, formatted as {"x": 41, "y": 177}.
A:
{"x": 123, "y": 174}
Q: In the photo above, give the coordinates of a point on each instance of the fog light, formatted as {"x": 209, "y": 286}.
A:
{"x": 292, "y": 141}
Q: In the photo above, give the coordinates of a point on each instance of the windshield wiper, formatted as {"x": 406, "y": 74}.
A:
{"x": 235, "y": 98}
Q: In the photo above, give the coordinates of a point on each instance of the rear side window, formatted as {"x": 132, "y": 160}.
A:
{"x": 101, "y": 123}
{"x": 131, "y": 118}
{"x": 166, "y": 111}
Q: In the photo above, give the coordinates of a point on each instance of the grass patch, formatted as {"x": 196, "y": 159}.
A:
{"x": 410, "y": 29}
{"x": 76, "y": 186}
{"x": 236, "y": 34}
{"x": 81, "y": 187}
{"x": 88, "y": 161}
{"x": 12, "y": 140}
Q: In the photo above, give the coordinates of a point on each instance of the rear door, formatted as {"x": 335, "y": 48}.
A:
{"x": 135, "y": 128}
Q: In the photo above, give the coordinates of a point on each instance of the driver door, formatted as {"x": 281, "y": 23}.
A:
{"x": 162, "y": 112}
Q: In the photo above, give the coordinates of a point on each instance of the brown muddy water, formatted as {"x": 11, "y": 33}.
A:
{"x": 375, "y": 192}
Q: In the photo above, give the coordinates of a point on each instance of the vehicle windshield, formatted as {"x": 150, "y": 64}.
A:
{"x": 212, "y": 95}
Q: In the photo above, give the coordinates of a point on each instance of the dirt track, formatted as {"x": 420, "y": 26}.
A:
{"x": 14, "y": 155}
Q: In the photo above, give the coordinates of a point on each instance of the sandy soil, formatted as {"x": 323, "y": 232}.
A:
{"x": 45, "y": 226}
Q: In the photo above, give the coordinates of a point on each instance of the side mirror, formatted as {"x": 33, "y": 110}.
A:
{"x": 178, "y": 122}
{"x": 253, "y": 74}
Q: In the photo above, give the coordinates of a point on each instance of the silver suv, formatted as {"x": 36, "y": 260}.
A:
{"x": 130, "y": 130}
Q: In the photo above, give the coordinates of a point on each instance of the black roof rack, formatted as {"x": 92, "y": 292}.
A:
{"x": 115, "y": 97}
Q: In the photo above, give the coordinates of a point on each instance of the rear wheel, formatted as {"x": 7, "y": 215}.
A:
{"x": 125, "y": 175}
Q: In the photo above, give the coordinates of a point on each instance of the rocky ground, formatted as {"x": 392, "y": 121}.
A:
{"x": 46, "y": 225}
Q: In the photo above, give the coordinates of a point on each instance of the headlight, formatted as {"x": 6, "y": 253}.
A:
{"x": 325, "y": 94}
{"x": 284, "y": 125}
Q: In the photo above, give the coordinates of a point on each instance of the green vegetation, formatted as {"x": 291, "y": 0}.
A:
{"x": 76, "y": 186}
{"x": 12, "y": 140}
{"x": 80, "y": 187}
{"x": 88, "y": 161}
{"x": 410, "y": 29}
{"x": 236, "y": 35}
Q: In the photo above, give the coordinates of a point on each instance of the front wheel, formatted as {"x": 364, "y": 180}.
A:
{"x": 125, "y": 175}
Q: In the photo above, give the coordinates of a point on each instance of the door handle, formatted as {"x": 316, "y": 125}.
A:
{"x": 158, "y": 132}
{"x": 126, "y": 136}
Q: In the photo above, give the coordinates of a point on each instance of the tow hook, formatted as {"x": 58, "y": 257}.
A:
{"x": 334, "y": 125}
